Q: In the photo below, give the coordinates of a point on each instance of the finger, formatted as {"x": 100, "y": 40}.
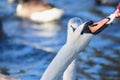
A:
{"x": 118, "y": 6}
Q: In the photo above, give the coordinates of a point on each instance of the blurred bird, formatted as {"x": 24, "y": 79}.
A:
{"x": 38, "y": 11}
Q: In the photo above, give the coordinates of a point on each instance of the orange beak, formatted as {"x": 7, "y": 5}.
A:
{"x": 98, "y": 25}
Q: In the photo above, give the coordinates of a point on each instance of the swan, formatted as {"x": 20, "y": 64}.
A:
{"x": 38, "y": 11}
{"x": 70, "y": 72}
{"x": 77, "y": 40}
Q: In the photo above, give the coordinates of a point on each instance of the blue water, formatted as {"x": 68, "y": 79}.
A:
{"x": 31, "y": 46}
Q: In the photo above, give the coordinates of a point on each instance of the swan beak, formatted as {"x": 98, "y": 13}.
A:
{"x": 99, "y": 26}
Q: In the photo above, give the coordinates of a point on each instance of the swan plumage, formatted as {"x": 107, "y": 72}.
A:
{"x": 74, "y": 44}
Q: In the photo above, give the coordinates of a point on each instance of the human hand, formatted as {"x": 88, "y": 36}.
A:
{"x": 117, "y": 12}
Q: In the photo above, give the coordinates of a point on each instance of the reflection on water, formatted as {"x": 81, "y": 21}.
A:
{"x": 30, "y": 47}
{"x": 46, "y": 36}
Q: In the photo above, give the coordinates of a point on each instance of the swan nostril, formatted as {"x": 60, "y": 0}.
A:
{"x": 94, "y": 25}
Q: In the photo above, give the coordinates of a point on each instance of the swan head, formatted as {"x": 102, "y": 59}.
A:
{"x": 83, "y": 31}
{"x": 89, "y": 27}
{"x": 76, "y": 28}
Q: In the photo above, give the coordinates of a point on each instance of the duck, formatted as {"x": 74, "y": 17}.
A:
{"x": 38, "y": 11}
{"x": 78, "y": 38}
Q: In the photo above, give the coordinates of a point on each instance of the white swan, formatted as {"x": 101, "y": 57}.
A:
{"x": 77, "y": 40}
{"x": 70, "y": 72}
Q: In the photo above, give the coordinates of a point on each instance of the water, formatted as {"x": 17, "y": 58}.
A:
{"x": 31, "y": 46}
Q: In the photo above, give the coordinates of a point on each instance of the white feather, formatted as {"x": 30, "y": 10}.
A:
{"x": 74, "y": 45}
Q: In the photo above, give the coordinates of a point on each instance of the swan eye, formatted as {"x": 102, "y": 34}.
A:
{"x": 72, "y": 28}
